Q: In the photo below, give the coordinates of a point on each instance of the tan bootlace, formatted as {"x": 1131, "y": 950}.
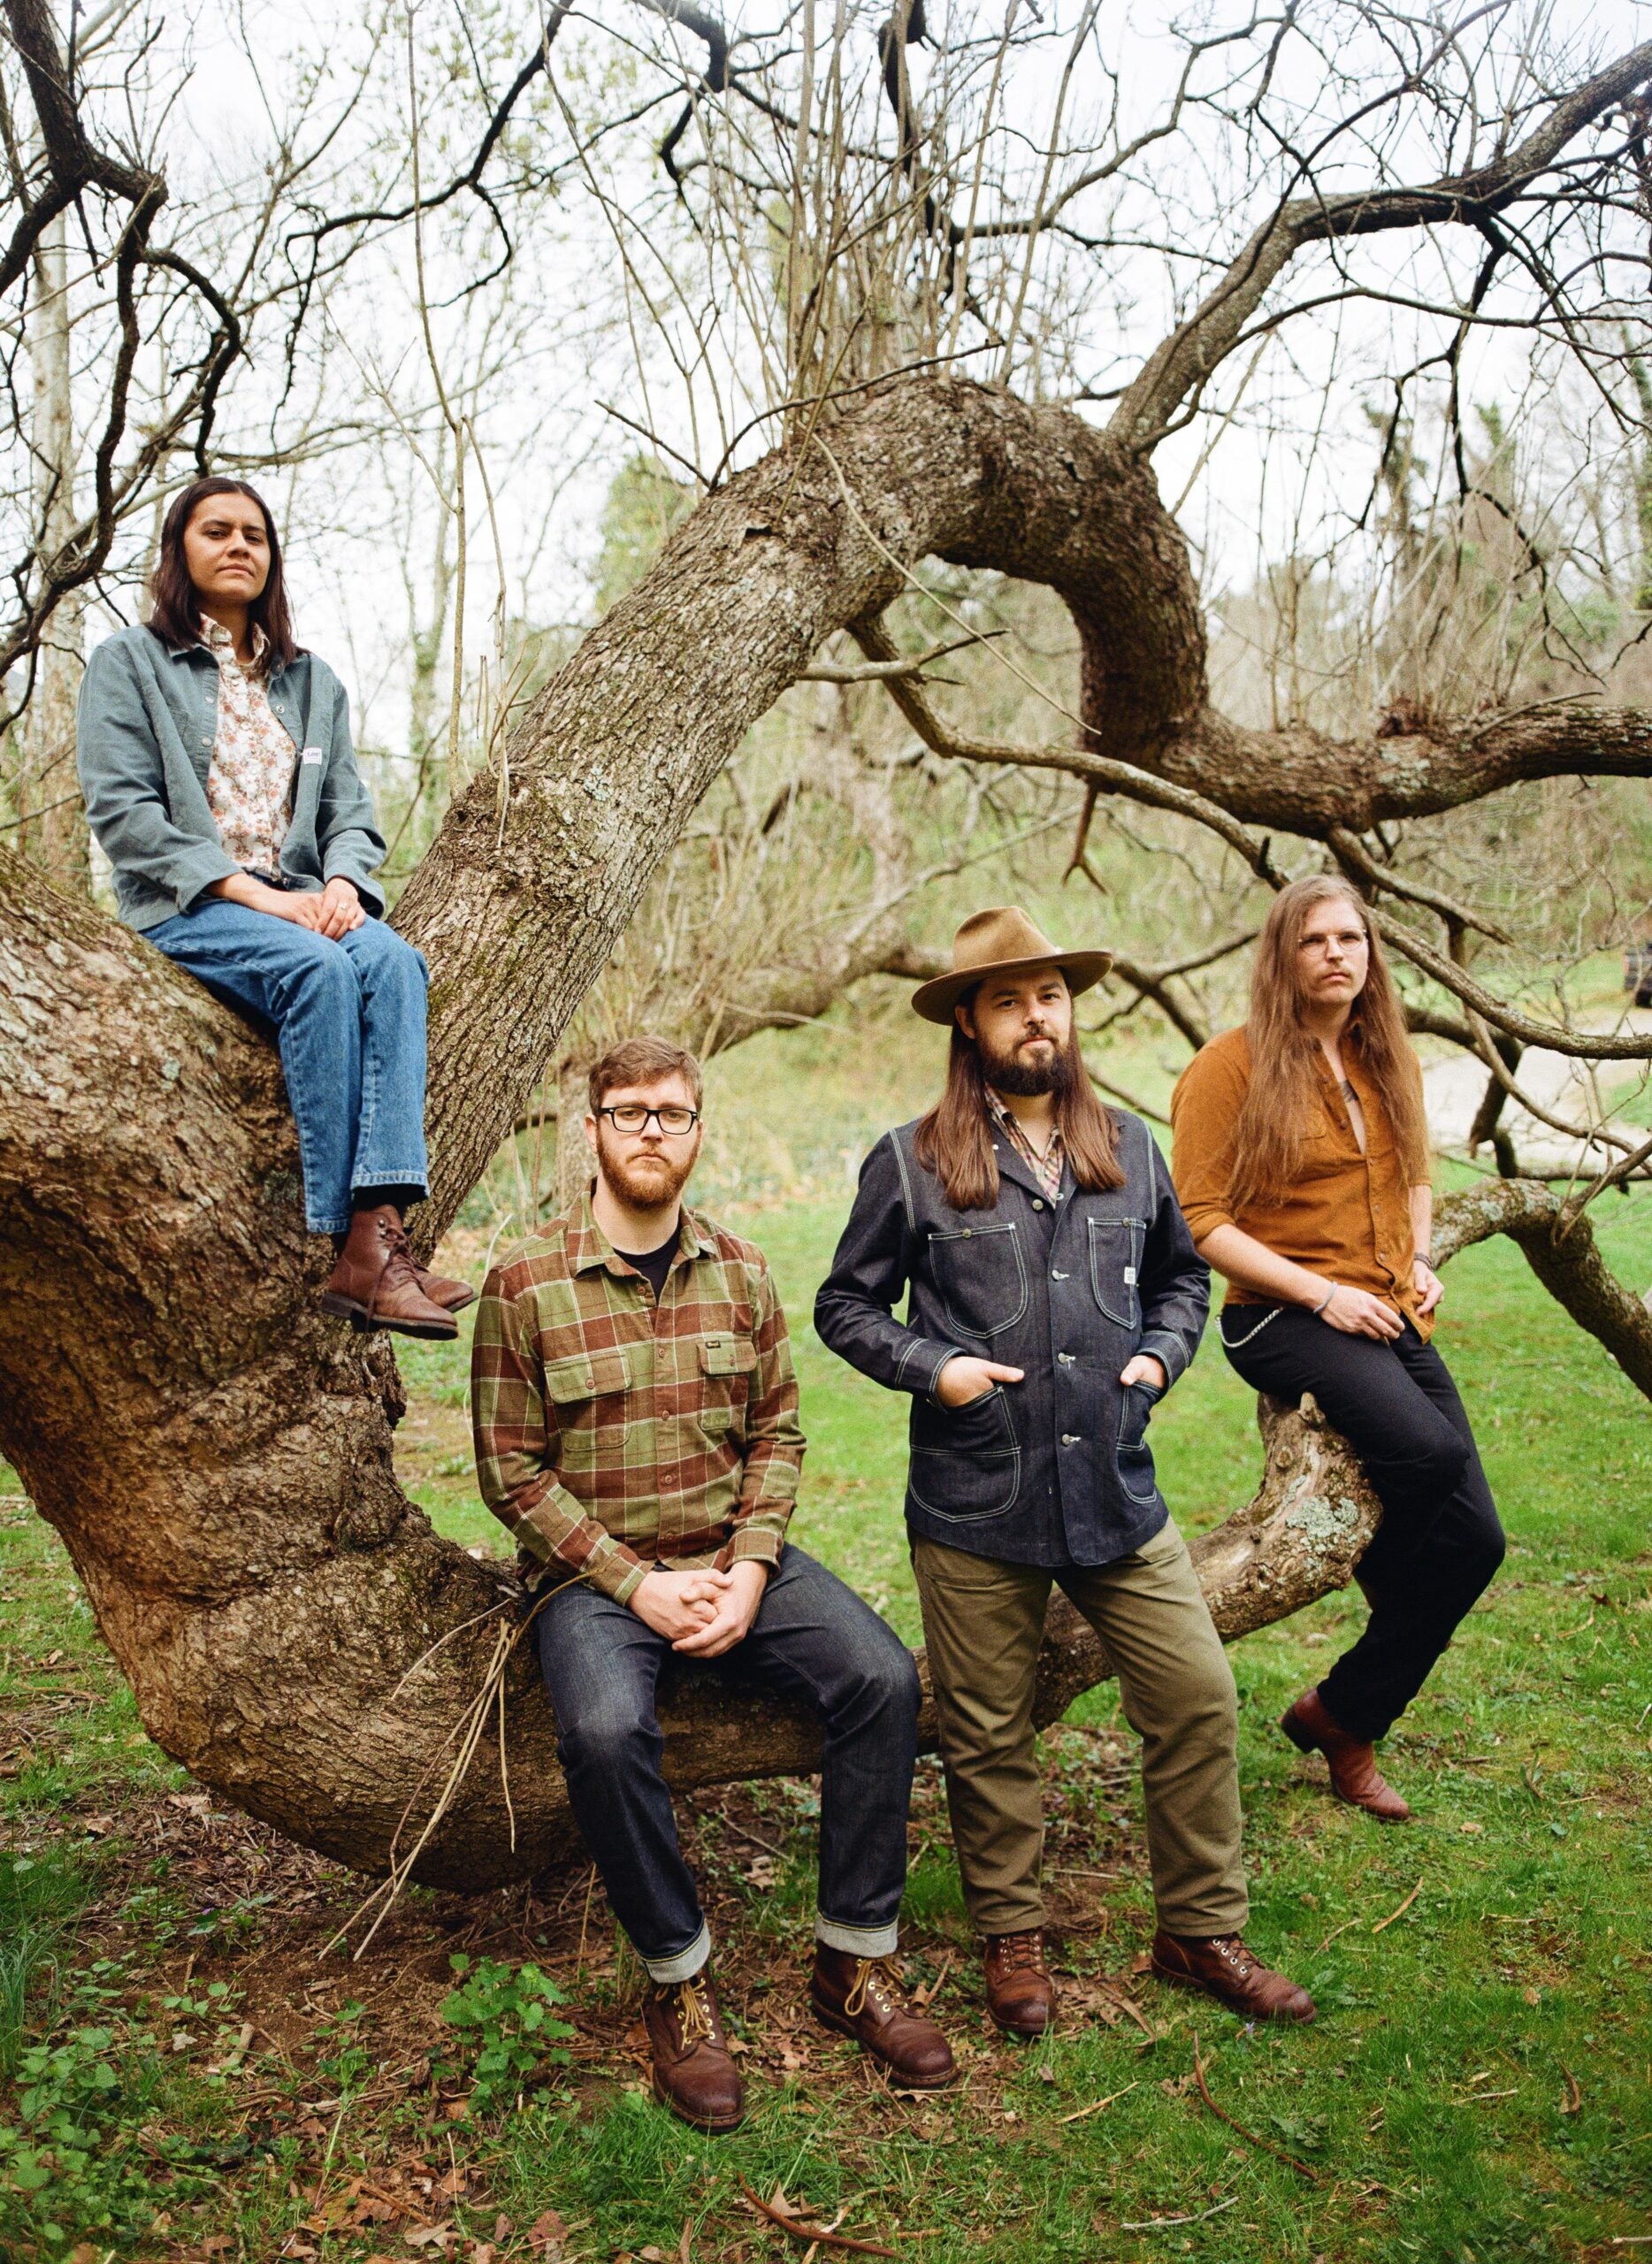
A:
{"x": 1022, "y": 1950}
{"x": 693, "y": 2013}
{"x": 869, "y": 1988}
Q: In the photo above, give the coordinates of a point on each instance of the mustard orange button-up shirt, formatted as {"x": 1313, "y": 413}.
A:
{"x": 1347, "y": 1218}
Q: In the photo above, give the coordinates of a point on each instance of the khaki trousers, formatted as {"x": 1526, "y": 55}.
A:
{"x": 983, "y": 1621}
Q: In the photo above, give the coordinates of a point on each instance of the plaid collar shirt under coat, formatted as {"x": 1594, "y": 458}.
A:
{"x": 1046, "y": 1169}
{"x": 614, "y": 1433}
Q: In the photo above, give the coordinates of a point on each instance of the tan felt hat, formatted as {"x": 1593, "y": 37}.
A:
{"x": 1002, "y": 941}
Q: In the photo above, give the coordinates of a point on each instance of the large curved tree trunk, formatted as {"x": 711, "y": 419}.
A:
{"x": 216, "y": 1453}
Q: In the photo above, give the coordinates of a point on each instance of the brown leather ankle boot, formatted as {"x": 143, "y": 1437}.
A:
{"x": 1355, "y": 1777}
{"x": 373, "y": 1284}
{"x": 442, "y": 1289}
{"x": 694, "y": 2074}
{"x": 860, "y": 1997}
{"x": 1225, "y": 1969}
{"x": 1021, "y": 1995}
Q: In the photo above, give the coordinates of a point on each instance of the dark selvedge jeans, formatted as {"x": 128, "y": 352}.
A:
{"x": 813, "y": 1640}
{"x": 1440, "y": 1541}
{"x": 349, "y": 1017}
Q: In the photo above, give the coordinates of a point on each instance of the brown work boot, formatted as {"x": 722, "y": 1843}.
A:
{"x": 442, "y": 1289}
{"x": 694, "y": 2074}
{"x": 373, "y": 1282}
{"x": 1352, "y": 1761}
{"x": 1225, "y": 1970}
{"x": 859, "y": 1997}
{"x": 1021, "y": 1995}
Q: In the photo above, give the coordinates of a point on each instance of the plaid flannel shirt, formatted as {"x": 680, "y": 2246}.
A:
{"x": 1046, "y": 1169}
{"x": 614, "y": 1433}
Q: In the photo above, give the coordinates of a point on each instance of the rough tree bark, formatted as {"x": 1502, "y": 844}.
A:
{"x": 215, "y": 1452}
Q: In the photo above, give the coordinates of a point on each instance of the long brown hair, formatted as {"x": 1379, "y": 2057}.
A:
{"x": 174, "y": 606}
{"x": 1284, "y": 1072}
{"x": 954, "y": 1140}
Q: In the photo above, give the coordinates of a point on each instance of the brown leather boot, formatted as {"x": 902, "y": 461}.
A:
{"x": 1225, "y": 1969}
{"x": 1355, "y": 1777}
{"x": 1021, "y": 1995}
{"x": 694, "y": 2074}
{"x": 859, "y": 1997}
{"x": 373, "y": 1284}
{"x": 442, "y": 1289}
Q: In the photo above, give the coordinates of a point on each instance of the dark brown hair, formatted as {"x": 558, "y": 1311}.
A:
{"x": 954, "y": 1140}
{"x": 174, "y": 605}
{"x": 1284, "y": 1066}
{"x": 643, "y": 1061}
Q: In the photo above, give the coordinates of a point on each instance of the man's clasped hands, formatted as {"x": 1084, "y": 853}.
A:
{"x": 702, "y": 1612}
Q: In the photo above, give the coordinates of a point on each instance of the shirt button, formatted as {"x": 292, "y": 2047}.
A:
{"x": 1070, "y": 1439}
{"x": 1066, "y": 1358}
{"x": 1038, "y": 1205}
{"x": 1057, "y": 1275}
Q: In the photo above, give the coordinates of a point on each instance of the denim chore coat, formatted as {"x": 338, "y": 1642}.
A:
{"x": 145, "y": 728}
{"x": 1056, "y": 1470}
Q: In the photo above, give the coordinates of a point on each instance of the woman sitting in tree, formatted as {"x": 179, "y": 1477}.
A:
{"x": 1302, "y": 1163}
{"x": 215, "y": 762}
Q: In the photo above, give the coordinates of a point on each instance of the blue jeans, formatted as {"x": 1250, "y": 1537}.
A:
{"x": 350, "y": 1020}
{"x": 813, "y": 1640}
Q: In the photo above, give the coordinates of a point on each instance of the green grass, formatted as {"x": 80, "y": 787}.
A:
{"x": 1477, "y": 2087}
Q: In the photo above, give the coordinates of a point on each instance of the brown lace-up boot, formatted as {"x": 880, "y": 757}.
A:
{"x": 1225, "y": 1970}
{"x": 442, "y": 1289}
{"x": 373, "y": 1282}
{"x": 1352, "y": 1761}
{"x": 694, "y": 2074}
{"x": 1021, "y": 1995}
{"x": 859, "y": 1997}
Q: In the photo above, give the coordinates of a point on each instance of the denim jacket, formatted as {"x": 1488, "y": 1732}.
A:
{"x": 144, "y": 731}
{"x": 1056, "y": 1470}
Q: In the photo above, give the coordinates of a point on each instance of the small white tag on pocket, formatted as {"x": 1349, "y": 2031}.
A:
{"x": 312, "y": 754}
{"x": 1129, "y": 1276}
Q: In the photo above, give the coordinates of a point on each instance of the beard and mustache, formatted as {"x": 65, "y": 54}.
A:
{"x": 1025, "y": 1074}
{"x": 648, "y": 1180}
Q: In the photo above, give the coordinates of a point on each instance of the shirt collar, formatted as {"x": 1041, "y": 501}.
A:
{"x": 218, "y": 640}
{"x": 588, "y": 1247}
{"x": 1006, "y": 1119}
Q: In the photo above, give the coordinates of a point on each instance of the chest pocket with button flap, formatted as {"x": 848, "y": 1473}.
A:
{"x": 589, "y": 1391}
{"x": 725, "y": 1368}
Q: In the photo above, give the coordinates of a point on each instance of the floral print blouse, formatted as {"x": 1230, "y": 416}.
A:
{"x": 249, "y": 781}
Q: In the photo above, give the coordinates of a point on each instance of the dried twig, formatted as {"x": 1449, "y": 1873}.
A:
{"x": 1384, "y": 1923}
{"x": 1250, "y": 2137}
{"x": 1084, "y": 2113}
{"x": 801, "y": 2230}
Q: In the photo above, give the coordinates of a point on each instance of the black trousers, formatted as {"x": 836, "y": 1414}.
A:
{"x": 1440, "y": 1541}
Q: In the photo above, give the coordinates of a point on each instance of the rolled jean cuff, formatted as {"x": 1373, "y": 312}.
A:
{"x": 328, "y": 1225}
{"x": 393, "y": 1175}
{"x": 857, "y": 1941}
{"x": 684, "y": 1964}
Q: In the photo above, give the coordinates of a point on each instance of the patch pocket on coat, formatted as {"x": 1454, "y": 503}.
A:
{"x": 981, "y": 1273}
{"x": 1134, "y": 1457}
{"x": 1115, "y": 1267}
{"x": 723, "y": 1362}
{"x": 966, "y": 1461}
{"x": 592, "y": 1391}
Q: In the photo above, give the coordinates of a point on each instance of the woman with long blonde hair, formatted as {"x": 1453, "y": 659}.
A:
{"x": 1301, "y": 1165}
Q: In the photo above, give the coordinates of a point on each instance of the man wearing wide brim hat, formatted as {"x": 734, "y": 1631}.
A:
{"x": 1054, "y": 1296}
{"x": 1003, "y": 941}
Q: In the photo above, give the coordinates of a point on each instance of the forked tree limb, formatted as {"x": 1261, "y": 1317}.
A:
{"x": 1179, "y": 368}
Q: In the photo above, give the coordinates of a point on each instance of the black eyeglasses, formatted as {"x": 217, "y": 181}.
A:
{"x": 631, "y": 1116}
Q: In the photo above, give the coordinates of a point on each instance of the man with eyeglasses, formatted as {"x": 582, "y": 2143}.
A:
{"x": 636, "y": 1424}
